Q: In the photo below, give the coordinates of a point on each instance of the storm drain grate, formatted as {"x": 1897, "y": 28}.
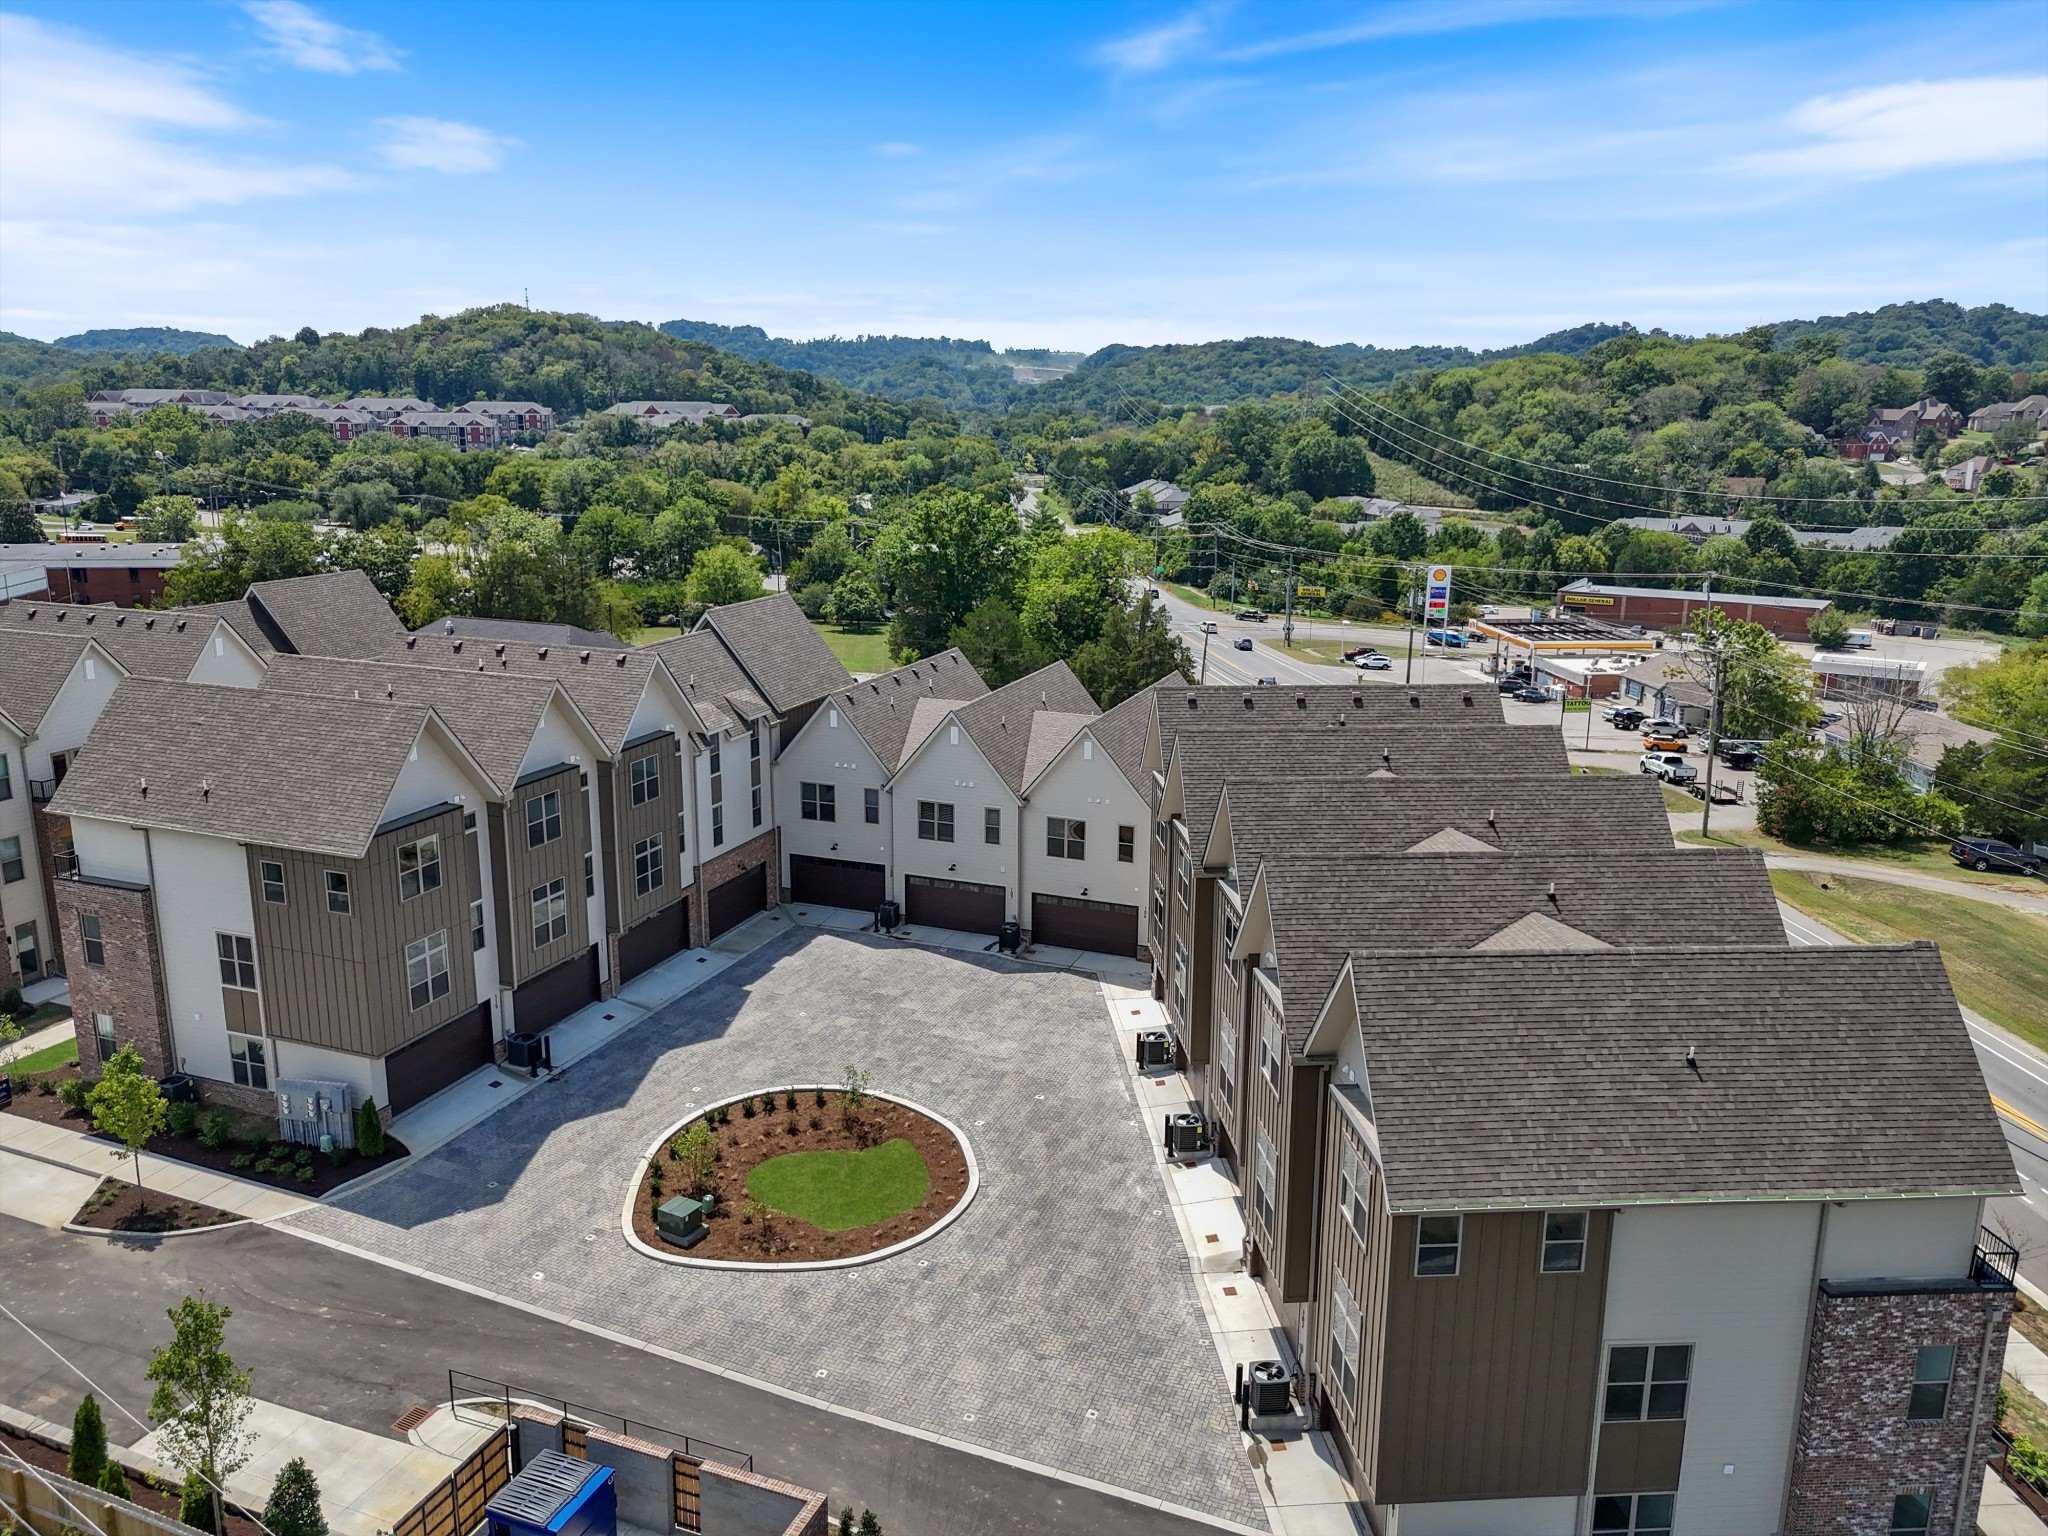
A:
{"x": 412, "y": 1418}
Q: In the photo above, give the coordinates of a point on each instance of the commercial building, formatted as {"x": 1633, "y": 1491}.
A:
{"x": 124, "y": 575}
{"x": 1661, "y": 608}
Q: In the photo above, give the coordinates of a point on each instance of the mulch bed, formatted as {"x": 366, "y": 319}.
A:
{"x": 33, "y": 1104}
{"x": 744, "y": 1144}
{"x": 49, "y": 1459}
{"x": 118, "y": 1206}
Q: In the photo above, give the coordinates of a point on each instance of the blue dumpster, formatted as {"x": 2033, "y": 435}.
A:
{"x": 556, "y": 1495}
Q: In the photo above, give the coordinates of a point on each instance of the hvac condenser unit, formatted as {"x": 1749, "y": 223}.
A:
{"x": 1269, "y": 1387}
{"x": 1187, "y": 1136}
{"x": 1155, "y": 1049}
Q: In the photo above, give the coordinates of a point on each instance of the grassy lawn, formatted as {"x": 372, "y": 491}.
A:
{"x": 1677, "y": 801}
{"x": 48, "y": 1059}
{"x": 837, "y": 1191}
{"x": 858, "y": 650}
{"x": 1397, "y": 482}
{"x": 1997, "y": 958}
{"x": 653, "y": 634}
{"x": 1926, "y": 858}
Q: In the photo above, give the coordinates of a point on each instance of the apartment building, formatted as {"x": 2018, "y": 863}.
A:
{"x": 275, "y": 888}
{"x": 513, "y": 418}
{"x": 1589, "y": 1267}
{"x": 334, "y": 613}
{"x": 784, "y": 657}
{"x": 118, "y": 575}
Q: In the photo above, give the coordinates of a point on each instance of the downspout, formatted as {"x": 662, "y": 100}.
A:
{"x": 1965, "y": 1521}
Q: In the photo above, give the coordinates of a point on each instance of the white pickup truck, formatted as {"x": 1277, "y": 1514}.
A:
{"x": 1671, "y": 767}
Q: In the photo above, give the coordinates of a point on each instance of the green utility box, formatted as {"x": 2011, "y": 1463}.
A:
{"x": 681, "y": 1220}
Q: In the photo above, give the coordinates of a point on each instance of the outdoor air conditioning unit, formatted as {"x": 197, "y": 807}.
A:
{"x": 1267, "y": 1387}
{"x": 529, "y": 1052}
{"x": 1187, "y": 1136}
{"x": 1155, "y": 1049}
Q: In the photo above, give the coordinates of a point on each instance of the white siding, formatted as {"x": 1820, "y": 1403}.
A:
{"x": 227, "y": 661}
{"x": 1088, "y": 788}
{"x": 558, "y": 740}
{"x": 72, "y": 714}
{"x": 432, "y": 775}
{"x": 486, "y": 959}
{"x": 825, "y": 753}
{"x": 1900, "y": 1239}
{"x": 364, "y": 1074}
{"x": 1736, "y": 1283}
{"x": 1487, "y": 1517}
{"x": 22, "y": 902}
{"x": 954, "y": 772}
{"x": 110, "y": 850}
{"x": 202, "y": 888}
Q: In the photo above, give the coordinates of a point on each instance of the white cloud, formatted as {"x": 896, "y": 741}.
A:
{"x": 85, "y": 129}
{"x": 305, "y": 39}
{"x": 1157, "y": 47}
{"x": 1916, "y": 125}
{"x": 432, "y": 144}
{"x": 896, "y": 149}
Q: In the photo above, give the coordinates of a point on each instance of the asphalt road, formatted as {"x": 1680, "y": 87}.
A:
{"x": 1270, "y": 656}
{"x": 2016, "y": 1076}
{"x": 356, "y": 1342}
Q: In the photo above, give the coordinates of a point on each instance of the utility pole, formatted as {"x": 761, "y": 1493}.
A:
{"x": 1202, "y": 676}
{"x": 1409, "y": 675}
{"x": 1717, "y": 660}
{"x": 1287, "y": 625}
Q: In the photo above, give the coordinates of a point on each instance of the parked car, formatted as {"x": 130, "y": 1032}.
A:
{"x": 1252, "y": 615}
{"x": 1668, "y": 766}
{"x": 1374, "y": 663}
{"x": 1531, "y": 695}
{"x": 1352, "y": 653}
{"x": 1662, "y": 741}
{"x": 1668, "y": 726}
{"x": 1988, "y": 853}
{"x": 1737, "y": 754}
{"x": 1625, "y": 717}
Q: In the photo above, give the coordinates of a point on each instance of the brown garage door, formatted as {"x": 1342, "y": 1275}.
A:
{"x": 730, "y": 904}
{"x": 556, "y": 993}
{"x": 664, "y": 934}
{"x": 1076, "y": 923}
{"x": 432, "y": 1062}
{"x": 954, "y": 904}
{"x": 836, "y": 882}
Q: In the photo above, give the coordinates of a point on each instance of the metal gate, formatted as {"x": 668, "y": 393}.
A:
{"x": 456, "y": 1507}
{"x": 689, "y": 1510}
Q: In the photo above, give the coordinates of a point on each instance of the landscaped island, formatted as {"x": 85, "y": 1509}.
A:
{"x": 800, "y": 1176}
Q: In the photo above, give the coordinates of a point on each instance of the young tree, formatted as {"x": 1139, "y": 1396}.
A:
{"x": 168, "y": 519}
{"x": 724, "y": 573}
{"x": 369, "y": 1129}
{"x": 293, "y": 1508}
{"x": 1137, "y": 647}
{"x": 127, "y": 1104}
{"x": 88, "y": 1443}
{"x": 112, "y": 1479}
{"x": 1828, "y": 629}
{"x": 201, "y": 1402}
{"x": 195, "y": 1503}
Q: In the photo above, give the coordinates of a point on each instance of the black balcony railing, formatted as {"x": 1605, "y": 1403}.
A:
{"x": 1995, "y": 1263}
{"x": 65, "y": 862}
{"x": 40, "y": 790}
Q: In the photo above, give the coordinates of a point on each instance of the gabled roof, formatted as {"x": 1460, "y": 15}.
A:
{"x": 33, "y": 670}
{"x": 1324, "y": 908}
{"x": 1543, "y": 1079}
{"x": 1051, "y": 733}
{"x": 146, "y": 644}
{"x": 708, "y": 674}
{"x": 1000, "y": 723}
{"x": 533, "y": 633}
{"x": 783, "y": 655}
{"x": 1122, "y": 729}
{"x": 494, "y": 714}
{"x": 882, "y": 708}
{"x": 606, "y": 685}
{"x": 334, "y": 613}
{"x": 1179, "y": 707}
{"x": 251, "y": 764}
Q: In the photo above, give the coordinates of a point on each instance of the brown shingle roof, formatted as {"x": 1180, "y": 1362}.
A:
{"x": 707, "y": 672}
{"x": 147, "y": 644}
{"x": 606, "y": 685}
{"x": 786, "y": 659}
{"x": 999, "y": 723}
{"x": 882, "y": 708}
{"x": 336, "y": 613}
{"x": 33, "y": 668}
{"x": 252, "y": 764}
{"x": 1121, "y": 729}
{"x": 1539, "y": 1079}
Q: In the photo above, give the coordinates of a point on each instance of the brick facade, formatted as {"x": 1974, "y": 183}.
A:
{"x": 1856, "y": 1449}
{"x": 761, "y": 848}
{"x": 53, "y": 839}
{"x": 126, "y": 986}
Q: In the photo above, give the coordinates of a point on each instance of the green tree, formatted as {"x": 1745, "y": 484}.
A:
{"x": 1323, "y": 464}
{"x": 829, "y": 557}
{"x": 201, "y": 1399}
{"x": 681, "y": 529}
{"x": 724, "y": 573}
{"x": 88, "y": 1443}
{"x": 385, "y": 554}
{"x": 168, "y": 519}
{"x": 2003, "y": 784}
{"x": 195, "y": 1503}
{"x": 293, "y": 1508}
{"x": 696, "y": 1150}
{"x": 18, "y": 521}
{"x": 947, "y": 553}
{"x": 435, "y": 589}
{"x": 1765, "y": 690}
{"x": 1952, "y": 379}
{"x": 855, "y": 602}
{"x": 1828, "y": 629}
{"x": 1401, "y": 536}
{"x": 992, "y": 637}
{"x": 1137, "y": 647}
{"x": 369, "y": 1129}
{"x": 112, "y": 1480}
{"x": 606, "y": 537}
{"x": 127, "y": 1104}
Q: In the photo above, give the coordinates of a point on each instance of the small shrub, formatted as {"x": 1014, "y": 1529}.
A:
{"x": 45, "y": 1087}
{"x": 113, "y": 1480}
{"x": 215, "y": 1128}
{"x": 818, "y": 1098}
{"x": 195, "y": 1503}
{"x": 2029, "y": 1462}
{"x": 19, "y": 1082}
{"x": 265, "y": 1165}
{"x": 88, "y": 1442}
{"x": 725, "y": 1114}
{"x": 11, "y": 1005}
{"x": 789, "y": 1099}
{"x": 72, "y": 1093}
{"x": 817, "y": 1122}
{"x": 303, "y": 1172}
{"x": 369, "y": 1129}
{"x": 305, "y": 1156}
{"x": 747, "y": 1108}
{"x": 789, "y": 1126}
{"x": 241, "y": 1160}
{"x": 182, "y": 1117}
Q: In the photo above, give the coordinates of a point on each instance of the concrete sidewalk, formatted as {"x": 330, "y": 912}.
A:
{"x": 28, "y": 1045}
{"x": 58, "y": 1147}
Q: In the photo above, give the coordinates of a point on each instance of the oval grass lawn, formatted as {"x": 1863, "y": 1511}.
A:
{"x": 837, "y": 1191}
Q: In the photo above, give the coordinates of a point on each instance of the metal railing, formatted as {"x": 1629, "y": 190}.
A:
{"x": 65, "y": 862}
{"x": 40, "y": 790}
{"x": 1995, "y": 1262}
{"x": 485, "y": 1400}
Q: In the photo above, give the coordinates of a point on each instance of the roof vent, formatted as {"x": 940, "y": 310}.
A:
{"x": 60, "y": 615}
{"x": 1387, "y": 758}
{"x": 145, "y": 788}
{"x": 1468, "y": 700}
{"x": 447, "y": 626}
{"x": 1490, "y": 821}
{"x": 619, "y": 660}
{"x": 120, "y": 619}
{"x": 411, "y": 641}
{"x": 543, "y": 653}
{"x": 31, "y": 613}
{"x": 1301, "y": 701}
{"x": 205, "y": 789}
{"x": 1191, "y": 702}
{"x": 456, "y": 648}
{"x": 1357, "y": 701}
{"x": 90, "y": 617}
{"x": 1247, "y": 701}
{"x": 149, "y": 623}
{"x": 498, "y": 649}
{"x": 584, "y": 658}
{"x": 181, "y": 626}
{"x": 1692, "y": 1059}
{"x": 390, "y": 692}
{"x": 1415, "y": 701}
{"x": 1553, "y": 893}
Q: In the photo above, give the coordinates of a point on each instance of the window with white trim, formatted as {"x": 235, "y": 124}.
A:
{"x": 1183, "y": 875}
{"x": 1065, "y": 839}
{"x": 103, "y": 1035}
{"x": 1226, "y": 1054}
{"x": 1272, "y": 1048}
{"x": 1353, "y": 1180}
{"x": 991, "y": 824}
{"x": 754, "y": 768}
{"x": 1344, "y": 1339}
{"x": 272, "y": 873}
{"x": 1564, "y": 1242}
{"x": 1180, "y": 978}
{"x": 338, "y": 901}
{"x": 1934, "y": 1366}
{"x": 1265, "y": 1174}
{"x": 419, "y": 868}
{"x": 647, "y": 870}
{"x": 1634, "y": 1514}
{"x": 12, "y": 865}
{"x": 543, "y": 818}
{"x": 248, "y": 1061}
{"x": 646, "y": 778}
{"x": 1437, "y": 1241}
{"x": 550, "y": 905}
{"x": 426, "y": 968}
{"x": 237, "y": 954}
{"x": 93, "y": 936}
{"x": 717, "y": 794}
{"x": 476, "y": 926}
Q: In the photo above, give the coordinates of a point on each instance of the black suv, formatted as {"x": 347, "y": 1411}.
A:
{"x": 1988, "y": 853}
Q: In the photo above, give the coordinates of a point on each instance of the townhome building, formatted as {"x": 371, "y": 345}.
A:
{"x": 385, "y": 407}
{"x": 333, "y": 613}
{"x": 783, "y": 656}
{"x": 277, "y": 888}
{"x": 259, "y": 406}
{"x": 659, "y": 414}
{"x": 512, "y": 418}
{"x": 464, "y": 430}
{"x": 345, "y": 422}
{"x": 1586, "y": 1266}
{"x": 544, "y": 912}
{"x": 646, "y": 800}
{"x": 955, "y": 801}
{"x": 1313, "y": 901}
{"x": 832, "y": 775}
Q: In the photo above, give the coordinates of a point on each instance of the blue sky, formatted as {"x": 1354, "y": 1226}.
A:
{"x": 1048, "y": 174}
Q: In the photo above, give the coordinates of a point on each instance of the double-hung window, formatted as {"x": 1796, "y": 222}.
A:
{"x": 103, "y": 1035}
{"x": 1633, "y": 1514}
{"x": 337, "y": 892}
{"x": 1180, "y": 978}
{"x": 6, "y": 778}
{"x": 820, "y": 801}
{"x": 991, "y": 824}
{"x": 543, "y": 818}
{"x": 871, "y": 806}
{"x": 1265, "y": 1175}
{"x": 754, "y": 768}
{"x": 237, "y": 954}
{"x": 1226, "y": 1055}
{"x": 476, "y": 926}
{"x": 1564, "y": 1242}
{"x": 1183, "y": 875}
{"x": 1272, "y": 1049}
{"x": 273, "y": 881}
{"x": 248, "y": 1060}
{"x": 1351, "y": 1187}
{"x": 426, "y": 968}
{"x": 550, "y": 904}
{"x": 1065, "y": 839}
{"x": 646, "y": 776}
{"x": 1126, "y": 845}
{"x": 935, "y": 821}
{"x": 1934, "y": 1365}
{"x": 93, "y": 938}
{"x": 1344, "y": 1339}
{"x": 1647, "y": 1381}
{"x": 419, "y": 868}
{"x": 11, "y": 866}
{"x": 717, "y": 794}
{"x": 1437, "y": 1241}
{"x": 647, "y": 872}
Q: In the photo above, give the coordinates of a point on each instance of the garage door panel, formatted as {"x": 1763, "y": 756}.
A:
{"x": 417, "y": 1071}
{"x": 730, "y": 904}
{"x": 836, "y": 882}
{"x": 554, "y": 994}
{"x": 1074, "y": 922}
{"x": 957, "y": 904}
{"x": 645, "y": 946}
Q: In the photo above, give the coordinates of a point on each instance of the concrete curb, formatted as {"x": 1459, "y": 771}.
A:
{"x": 684, "y": 1261}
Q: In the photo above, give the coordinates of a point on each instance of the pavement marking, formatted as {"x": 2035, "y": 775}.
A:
{"x": 1990, "y": 1042}
{"x": 2020, "y": 1118}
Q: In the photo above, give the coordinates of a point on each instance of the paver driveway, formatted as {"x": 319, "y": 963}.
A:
{"x": 1063, "y": 1291}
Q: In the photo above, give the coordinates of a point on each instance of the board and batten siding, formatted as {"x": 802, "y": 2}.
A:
{"x": 525, "y": 868}
{"x": 339, "y": 982}
{"x": 660, "y": 815}
{"x": 1361, "y": 1260}
{"x": 1264, "y": 1114}
{"x": 1298, "y": 1170}
{"x": 1491, "y": 1373}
